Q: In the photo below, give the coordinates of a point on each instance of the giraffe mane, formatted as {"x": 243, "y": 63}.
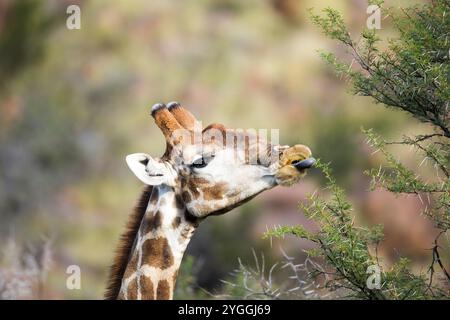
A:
{"x": 125, "y": 245}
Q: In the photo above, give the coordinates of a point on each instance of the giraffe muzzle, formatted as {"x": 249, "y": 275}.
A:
{"x": 304, "y": 164}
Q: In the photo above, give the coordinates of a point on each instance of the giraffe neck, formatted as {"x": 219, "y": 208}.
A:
{"x": 158, "y": 249}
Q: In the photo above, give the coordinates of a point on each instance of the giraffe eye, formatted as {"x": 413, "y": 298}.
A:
{"x": 202, "y": 161}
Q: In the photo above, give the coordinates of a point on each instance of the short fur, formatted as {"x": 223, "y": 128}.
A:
{"x": 125, "y": 246}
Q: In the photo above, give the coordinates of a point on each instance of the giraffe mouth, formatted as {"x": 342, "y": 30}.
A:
{"x": 294, "y": 162}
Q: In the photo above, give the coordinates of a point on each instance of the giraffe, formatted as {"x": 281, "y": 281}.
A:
{"x": 203, "y": 172}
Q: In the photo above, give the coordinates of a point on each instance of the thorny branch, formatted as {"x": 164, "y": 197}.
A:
{"x": 436, "y": 258}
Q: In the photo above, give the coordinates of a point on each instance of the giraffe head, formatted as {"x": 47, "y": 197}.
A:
{"x": 215, "y": 169}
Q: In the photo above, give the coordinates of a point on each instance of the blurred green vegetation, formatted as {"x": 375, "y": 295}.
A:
{"x": 23, "y": 38}
{"x": 410, "y": 76}
{"x": 74, "y": 103}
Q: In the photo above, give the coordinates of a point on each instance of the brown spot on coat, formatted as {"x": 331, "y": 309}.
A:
{"x": 153, "y": 221}
{"x": 132, "y": 290}
{"x": 176, "y": 222}
{"x": 186, "y": 196}
{"x": 215, "y": 192}
{"x": 197, "y": 181}
{"x": 157, "y": 253}
{"x": 147, "y": 290}
{"x": 163, "y": 290}
{"x": 154, "y": 196}
{"x": 193, "y": 184}
{"x": 179, "y": 202}
{"x": 131, "y": 267}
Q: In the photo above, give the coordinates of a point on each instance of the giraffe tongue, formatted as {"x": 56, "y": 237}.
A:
{"x": 304, "y": 164}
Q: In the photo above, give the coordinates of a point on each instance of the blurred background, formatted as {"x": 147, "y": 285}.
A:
{"x": 74, "y": 103}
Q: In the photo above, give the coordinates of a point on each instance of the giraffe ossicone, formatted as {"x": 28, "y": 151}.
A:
{"x": 203, "y": 172}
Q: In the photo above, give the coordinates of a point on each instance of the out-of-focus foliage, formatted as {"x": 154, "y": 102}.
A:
{"x": 345, "y": 247}
{"x": 258, "y": 280}
{"x": 397, "y": 178}
{"x": 412, "y": 75}
{"x": 24, "y": 270}
{"x": 187, "y": 283}
{"x": 22, "y": 37}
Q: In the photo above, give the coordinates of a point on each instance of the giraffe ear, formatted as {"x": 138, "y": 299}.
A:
{"x": 146, "y": 169}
